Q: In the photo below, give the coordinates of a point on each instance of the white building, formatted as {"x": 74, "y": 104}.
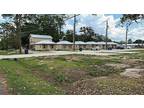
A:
{"x": 64, "y": 45}
{"x": 44, "y": 42}
{"x": 33, "y": 39}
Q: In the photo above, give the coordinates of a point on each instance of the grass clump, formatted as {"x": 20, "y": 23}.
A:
{"x": 22, "y": 81}
{"x": 102, "y": 70}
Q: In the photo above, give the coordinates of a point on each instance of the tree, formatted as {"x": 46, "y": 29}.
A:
{"x": 131, "y": 17}
{"x": 130, "y": 41}
{"x": 87, "y": 33}
{"x": 7, "y": 36}
{"x": 51, "y": 25}
{"x": 126, "y": 23}
{"x": 17, "y": 20}
{"x": 139, "y": 41}
{"x": 69, "y": 35}
{"x": 128, "y": 19}
{"x": 26, "y": 24}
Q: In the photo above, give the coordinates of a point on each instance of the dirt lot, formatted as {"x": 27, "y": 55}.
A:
{"x": 76, "y": 74}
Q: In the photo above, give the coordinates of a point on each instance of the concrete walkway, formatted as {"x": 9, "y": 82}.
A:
{"x": 57, "y": 53}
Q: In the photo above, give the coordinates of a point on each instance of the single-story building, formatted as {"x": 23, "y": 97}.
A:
{"x": 90, "y": 45}
{"x": 135, "y": 45}
{"x": 112, "y": 44}
{"x": 80, "y": 44}
{"x": 64, "y": 45}
{"x": 101, "y": 45}
{"x": 44, "y": 42}
{"x": 44, "y": 45}
{"x": 34, "y": 38}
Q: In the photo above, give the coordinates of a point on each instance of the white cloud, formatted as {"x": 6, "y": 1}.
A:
{"x": 1, "y": 19}
{"x": 68, "y": 27}
{"x": 114, "y": 32}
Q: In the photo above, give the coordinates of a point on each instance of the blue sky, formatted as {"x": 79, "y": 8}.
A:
{"x": 97, "y": 22}
{"x": 116, "y": 32}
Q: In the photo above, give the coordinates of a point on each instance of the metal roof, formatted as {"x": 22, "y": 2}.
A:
{"x": 100, "y": 43}
{"x": 41, "y": 36}
{"x": 133, "y": 44}
{"x": 80, "y": 42}
{"x": 103, "y": 43}
{"x": 90, "y": 42}
{"x": 45, "y": 42}
{"x": 64, "y": 42}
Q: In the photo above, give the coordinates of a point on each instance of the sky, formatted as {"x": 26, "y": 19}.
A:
{"x": 115, "y": 32}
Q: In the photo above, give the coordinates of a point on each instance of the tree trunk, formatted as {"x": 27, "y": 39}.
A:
{"x": 18, "y": 31}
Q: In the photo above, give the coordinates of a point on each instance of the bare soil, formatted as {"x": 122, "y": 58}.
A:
{"x": 3, "y": 85}
{"x": 118, "y": 65}
{"x": 132, "y": 73}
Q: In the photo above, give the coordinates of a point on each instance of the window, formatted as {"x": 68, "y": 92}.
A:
{"x": 52, "y": 46}
{"x": 64, "y": 46}
{"x": 44, "y": 46}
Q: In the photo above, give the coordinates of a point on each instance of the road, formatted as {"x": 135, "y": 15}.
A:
{"x": 58, "y": 53}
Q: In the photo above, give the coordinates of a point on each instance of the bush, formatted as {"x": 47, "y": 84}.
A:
{"x": 103, "y": 70}
{"x": 61, "y": 78}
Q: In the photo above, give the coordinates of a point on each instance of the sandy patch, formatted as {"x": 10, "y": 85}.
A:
{"x": 132, "y": 73}
{"x": 118, "y": 65}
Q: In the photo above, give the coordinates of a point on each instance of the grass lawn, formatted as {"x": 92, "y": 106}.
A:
{"x": 73, "y": 74}
{"x": 8, "y": 52}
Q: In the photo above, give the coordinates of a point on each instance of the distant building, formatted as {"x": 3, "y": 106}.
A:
{"x": 37, "y": 38}
{"x": 80, "y": 44}
{"x": 45, "y": 43}
{"x": 64, "y": 45}
{"x": 34, "y": 39}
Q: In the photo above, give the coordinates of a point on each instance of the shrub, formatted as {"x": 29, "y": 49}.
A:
{"x": 102, "y": 70}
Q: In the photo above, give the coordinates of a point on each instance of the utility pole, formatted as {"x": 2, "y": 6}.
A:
{"x": 74, "y": 32}
{"x": 126, "y": 36}
{"x": 106, "y": 33}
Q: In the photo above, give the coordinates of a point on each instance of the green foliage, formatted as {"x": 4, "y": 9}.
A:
{"x": 55, "y": 75}
{"x": 61, "y": 78}
{"x": 25, "y": 24}
{"x": 22, "y": 81}
{"x": 130, "y": 41}
{"x": 103, "y": 70}
{"x": 139, "y": 41}
{"x": 131, "y": 17}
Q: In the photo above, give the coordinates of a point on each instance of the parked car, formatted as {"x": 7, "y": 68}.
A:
{"x": 109, "y": 48}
